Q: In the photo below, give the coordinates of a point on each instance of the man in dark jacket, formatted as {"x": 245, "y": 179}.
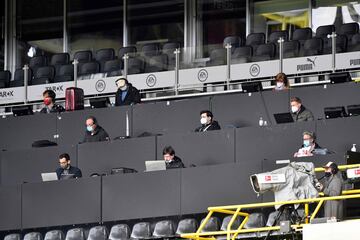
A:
{"x": 310, "y": 146}
{"x": 94, "y": 132}
{"x": 299, "y": 112}
{"x": 332, "y": 187}
{"x": 126, "y": 94}
{"x": 207, "y": 122}
{"x": 49, "y": 102}
{"x": 171, "y": 160}
{"x": 66, "y": 169}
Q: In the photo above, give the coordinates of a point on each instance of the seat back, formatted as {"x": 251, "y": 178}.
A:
{"x": 13, "y": 236}
{"x": 226, "y": 222}
{"x": 234, "y": 41}
{"x": 212, "y": 225}
{"x": 291, "y": 49}
{"x": 274, "y": 36}
{"x": 33, "y": 236}
{"x": 75, "y": 234}
{"x": 188, "y": 225}
{"x": 156, "y": 63}
{"x": 164, "y": 228}
{"x": 254, "y": 39}
{"x": 302, "y": 34}
{"x": 141, "y": 230}
{"x": 256, "y": 220}
{"x": 242, "y": 54}
{"x": 44, "y": 75}
{"x": 131, "y": 50}
{"x": 324, "y": 31}
{"x": 60, "y": 59}
{"x": 5, "y": 77}
{"x": 119, "y": 232}
{"x": 98, "y": 233}
{"x": 313, "y": 46}
{"x": 217, "y": 57}
{"x": 89, "y": 68}
{"x": 54, "y": 235}
{"x": 83, "y": 56}
{"x": 150, "y": 49}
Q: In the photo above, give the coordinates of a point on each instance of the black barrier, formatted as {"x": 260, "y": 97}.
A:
{"x": 10, "y": 207}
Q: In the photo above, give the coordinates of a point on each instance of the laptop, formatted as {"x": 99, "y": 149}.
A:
{"x": 156, "y": 165}
{"x": 46, "y": 177}
{"x": 283, "y": 118}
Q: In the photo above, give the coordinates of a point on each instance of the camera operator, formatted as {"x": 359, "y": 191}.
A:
{"x": 331, "y": 187}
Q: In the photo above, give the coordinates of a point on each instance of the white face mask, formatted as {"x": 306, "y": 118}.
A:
{"x": 294, "y": 109}
{"x": 203, "y": 121}
{"x": 280, "y": 85}
{"x": 124, "y": 88}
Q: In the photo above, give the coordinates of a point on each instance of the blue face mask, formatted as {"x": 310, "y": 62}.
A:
{"x": 306, "y": 143}
{"x": 89, "y": 128}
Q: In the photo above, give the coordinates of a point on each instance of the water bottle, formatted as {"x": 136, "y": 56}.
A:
{"x": 353, "y": 149}
{"x": 261, "y": 122}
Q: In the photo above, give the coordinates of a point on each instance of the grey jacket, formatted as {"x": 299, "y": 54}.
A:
{"x": 302, "y": 115}
{"x": 333, "y": 187}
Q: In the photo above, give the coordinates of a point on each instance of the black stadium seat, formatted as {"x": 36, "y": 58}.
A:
{"x": 113, "y": 67}
{"x": 242, "y": 55}
{"x": 264, "y": 52}
{"x": 75, "y": 234}
{"x": 313, "y": 46}
{"x": 217, "y": 57}
{"x": 44, "y": 75}
{"x": 60, "y": 59}
{"x": 156, "y": 63}
{"x": 341, "y": 44}
{"x": 135, "y": 65}
{"x": 234, "y": 41}
{"x": 255, "y": 39}
{"x": 354, "y": 43}
{"x": 302, "y": 34}
{"x": 65, "y": 73}
{"x": 19, "y": 78}
{"x": 89, "y": 68}
{"x": 38, "y": 61}
{"x": 324, "y": 31}
{"x": 119, "y": 232}
{"x": 98, "y": 233}
{"x": 188, "y": 225}
{"x": 5, "y": 77}
{"x": 141, "y": 230}
{"x": 83, "y": 56}
{"x": 291, "y": 49}
{"x": 54, "y": 235}
{"x": 150, "y": 49}
{"x": 348, "y": 29}
{"x": 103, "y": 55}
{"x": 274, "y": 36}
{"x": 164, "y": 229}
{"x": 131, "y": 50}
{"x": 169, "y": 49}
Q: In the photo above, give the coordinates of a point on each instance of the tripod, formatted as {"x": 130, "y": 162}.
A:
{"x": 288, "y": 212}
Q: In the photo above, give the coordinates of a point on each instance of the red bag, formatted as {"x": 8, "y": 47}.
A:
{"x": 74, "y": 99}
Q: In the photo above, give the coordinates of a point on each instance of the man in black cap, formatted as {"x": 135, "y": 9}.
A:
{"x": 331, "y": 187}
{"x": 126, "y": 94}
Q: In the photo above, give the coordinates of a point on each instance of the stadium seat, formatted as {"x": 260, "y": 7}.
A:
{"x": 150, "y": 49}
{"x": 164, "y": 229}
{"x": 60, "y": 59}
{"x": 44, "y": 75}
{"x": 75, "y": 234}
{"x": 256, "y": 220}
{"x": 302, "y": 34}
{"x": 33, "y": 236}
{"x": 65, "y": 73}
{"x": 274, "y": 36}
{"x": 83, "y": 56}
{"x": 348, "y": 29}
{"x": 254, "y": 40}
{"x": 212, "y": 225}
{"x": 19, "y": 78}
{"x": 37, "y": 61}
{"x": 135, "y": 65}
{"x": 188, "y": 225}
{"x": 13, "y": 236}
{"x": 291, "y": 49}
{"x": 119, "y": 232}
{"x": 217, "y": 57}
{"x": 234, "y": 41}
{"x": 5, "y": 77}
{"x": 89, "y": 68}
{"x": 324, "y": 31}
{"x": 98, "y": 233}
{"x": 141, "y": 230}
{"x": 54, "y": 235}
{"x": 354, "y": 43}
{"x": 169, "y": 49}
{"x": 131, "y": 50}
{"x": 103, "y": 55}
{"x": 242, "y": 55}
{"x": 156, "y": 63}
{"x": 226, "y": 222}
{"x": 313, "y": 46}
{"x": 113, "y": 67}
{"x": 264, "y": 52}
{"x": 341, "y": 45}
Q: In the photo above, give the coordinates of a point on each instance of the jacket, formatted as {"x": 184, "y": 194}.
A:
{"x": 132, "y": 96}
{"x": 55, "y": 109}
{"x": 175, "y": 163}
{"x": 72, "y": 170}
{"x": 214, "y": 125}
{"x": 333, "y": 187}
{"x": 98, "y": 135}
{"x": 302, "y": 115}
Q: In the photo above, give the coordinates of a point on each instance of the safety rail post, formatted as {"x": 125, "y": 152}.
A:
{"x": 177, "y": 69}
{"x": 306, "y": 213}
{"x": 333, "y": 49}
{"x": 26, "y": 80}
{"x": 76, "y": 64}
{"x": 281, "y": 53}
{"x": 228, "y": 65}
{"x": 126, "y": 64}
{"x": 228, "y": 228}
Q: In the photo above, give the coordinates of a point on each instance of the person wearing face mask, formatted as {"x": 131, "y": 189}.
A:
{"x": 310, "y": 146}
{"x": 207, "y": 122}
{"x": 171, "y": 160}
{"x": 281, "y": 82}
{"x": 94, "y": 132}
{"x": 66, "y": 169}
{"x": 299, "y": 112}
{"x": 332, "y": 186}
{"x": 126, "y": 94}
{"x": 49, "y": 102}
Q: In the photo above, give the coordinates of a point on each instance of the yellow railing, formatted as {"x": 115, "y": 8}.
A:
{"x": 236, "y": 211}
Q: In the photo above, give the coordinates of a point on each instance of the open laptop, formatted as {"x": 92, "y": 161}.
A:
{"x": 52, "y": 176}
{"x": 283, "y": 118}
{"x": 156, "y": 165}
